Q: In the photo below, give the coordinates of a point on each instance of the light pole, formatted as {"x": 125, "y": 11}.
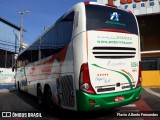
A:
{"x": 21, "y": 25}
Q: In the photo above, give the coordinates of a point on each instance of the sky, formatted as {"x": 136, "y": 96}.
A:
{"x": 44, "y": 13}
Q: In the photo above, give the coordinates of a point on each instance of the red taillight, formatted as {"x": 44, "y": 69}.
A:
{"x": 139, "y": 76}
{"x": 85, "y": 84}
{"x": 86, "y": 3}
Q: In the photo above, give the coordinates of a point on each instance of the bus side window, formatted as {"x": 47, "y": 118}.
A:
{"x": 57, "y": 38}
{"x": 23, "y": 59}
{"x": 64, "y": 32}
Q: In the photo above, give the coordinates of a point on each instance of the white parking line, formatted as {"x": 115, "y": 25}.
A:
{"x": 152, "y": 92}
{"x": 130, "y": 105}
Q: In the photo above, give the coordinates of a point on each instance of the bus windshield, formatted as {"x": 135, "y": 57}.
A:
{"x": 101, "y": 17}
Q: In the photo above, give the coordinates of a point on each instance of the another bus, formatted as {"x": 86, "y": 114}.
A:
{"x": 7, "y": 80}
{"x": 88, "y": 60}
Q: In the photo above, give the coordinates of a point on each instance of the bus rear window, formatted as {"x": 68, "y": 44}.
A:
{"x": 102, "y": 17}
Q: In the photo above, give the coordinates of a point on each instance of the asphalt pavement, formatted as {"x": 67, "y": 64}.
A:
{"x": 15, "y": 100}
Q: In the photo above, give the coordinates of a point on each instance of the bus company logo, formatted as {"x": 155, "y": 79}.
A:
{"x": 114, "y": 16}
{"x": 115, "y": 19}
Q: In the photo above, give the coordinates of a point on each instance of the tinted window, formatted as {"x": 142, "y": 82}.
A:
{"x": 150, "y": 64}
{"x": 57, "y": 37}
{"x": 102, "y": 17}
{"x": 51, "y": 42}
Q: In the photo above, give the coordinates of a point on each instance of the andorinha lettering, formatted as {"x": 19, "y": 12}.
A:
{"x": 115, "y": 23}
{"x": 106, "y": 37}
{"x": 114, "y": 42}
{"x": 119, "y": 42}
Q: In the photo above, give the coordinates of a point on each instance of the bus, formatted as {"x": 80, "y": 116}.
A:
{"x": 88, "y": 60}
{"x": 7, "y": 80}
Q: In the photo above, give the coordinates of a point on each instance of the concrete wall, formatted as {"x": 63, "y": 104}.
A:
{"x": 151, "y": 78}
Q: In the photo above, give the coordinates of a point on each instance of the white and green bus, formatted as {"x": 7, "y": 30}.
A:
{"x": 88, "y": 60}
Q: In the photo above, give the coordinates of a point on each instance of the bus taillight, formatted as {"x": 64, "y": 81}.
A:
{"x": 139, "y": 76}
{"x": 87, "y": 2}
{"x": 85, "y": 84}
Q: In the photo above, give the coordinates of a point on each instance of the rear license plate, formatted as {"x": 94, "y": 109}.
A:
{"x": 119, "y": 98}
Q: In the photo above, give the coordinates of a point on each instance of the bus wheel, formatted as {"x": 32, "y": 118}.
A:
{"x": 39, "y": 95}
{"x": 48, "y": 99}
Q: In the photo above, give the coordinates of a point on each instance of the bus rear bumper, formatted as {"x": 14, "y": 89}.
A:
{"x": 89, "y": 102}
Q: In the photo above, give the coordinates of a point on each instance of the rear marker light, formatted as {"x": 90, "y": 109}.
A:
{"x": 92, "y": 106}
{"x": 139, "y": 76}
{"x": 92, "y": 101}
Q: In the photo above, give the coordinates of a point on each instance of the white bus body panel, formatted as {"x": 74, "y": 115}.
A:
{"x": 109, "y": 74}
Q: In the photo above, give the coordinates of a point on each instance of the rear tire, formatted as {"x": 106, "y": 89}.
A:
{"x": 39, "y": 96}
{"x": 48, "y": 99}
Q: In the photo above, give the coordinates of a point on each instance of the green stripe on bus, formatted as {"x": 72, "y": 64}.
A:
{"x": 106, "y": 100}
{"x": 129, "y": 80}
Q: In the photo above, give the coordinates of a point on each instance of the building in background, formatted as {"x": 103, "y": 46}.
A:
{"x": 9, "y": 47}
{"x": 148, "y": 16}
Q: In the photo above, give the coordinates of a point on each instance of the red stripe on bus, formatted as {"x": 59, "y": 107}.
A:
{"x": 114, "y": 30}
